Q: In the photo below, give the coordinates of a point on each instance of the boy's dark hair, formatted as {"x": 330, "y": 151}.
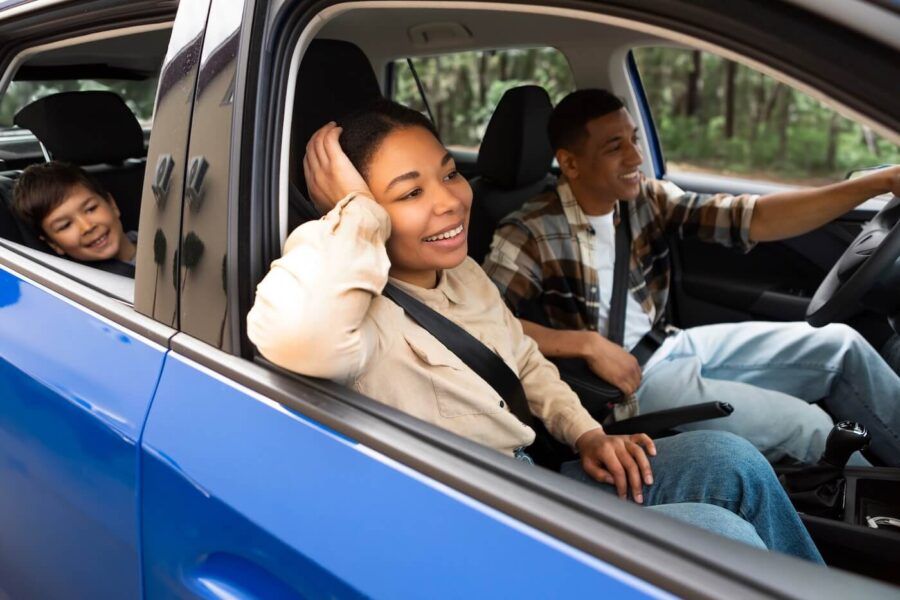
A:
{"x": 41, "y": 188}
{"x": 365, "y": 129}
{"x": 566, "y": 127}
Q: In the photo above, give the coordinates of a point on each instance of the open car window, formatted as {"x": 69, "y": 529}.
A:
{"x": 715, "y": 116}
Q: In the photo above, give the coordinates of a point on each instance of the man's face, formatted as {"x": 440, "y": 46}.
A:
{"x": 84, "y": 226}
{"x": 606, "y": 163}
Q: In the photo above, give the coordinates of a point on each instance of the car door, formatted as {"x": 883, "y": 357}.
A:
{"x": 78, "y": 370}
{"x": 724, "y": 127}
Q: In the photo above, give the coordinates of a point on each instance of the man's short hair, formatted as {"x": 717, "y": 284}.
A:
{"x": 567, "y": 125}
{"x": 41, "y": 188}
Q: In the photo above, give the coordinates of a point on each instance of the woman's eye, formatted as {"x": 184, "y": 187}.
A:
{"x": 451, "y": 175}
{"x": 91, "y": 208}
{"x": 413, "y": 194}
{"x": 62, "y": 227}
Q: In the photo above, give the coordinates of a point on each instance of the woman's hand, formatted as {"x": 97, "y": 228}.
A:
{"x": 329, "y": 173}
{"x": 618, "y": 460}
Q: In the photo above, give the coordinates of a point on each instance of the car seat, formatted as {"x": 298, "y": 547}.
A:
{"x": 98, "y": 132}
{"x": 335, "y": 78}
{"x": 513, "y": 163}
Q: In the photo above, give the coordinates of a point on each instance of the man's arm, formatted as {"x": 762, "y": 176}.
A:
{"x": 606, "y": 359}
{"x": 787, "y": 214}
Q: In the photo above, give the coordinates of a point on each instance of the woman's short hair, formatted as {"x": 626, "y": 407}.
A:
{"x": 567, "y": 125}
{"x": 365, "y": 129}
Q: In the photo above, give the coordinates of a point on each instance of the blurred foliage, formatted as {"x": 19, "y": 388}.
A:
{"x": 712, "y": 115}
{"x": 776, "y": 132}
{"x": 464, "y": 88}
{"x": 138, "y": 95}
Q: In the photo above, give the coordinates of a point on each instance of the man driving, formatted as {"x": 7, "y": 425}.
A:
{"x": 555, "y": 258}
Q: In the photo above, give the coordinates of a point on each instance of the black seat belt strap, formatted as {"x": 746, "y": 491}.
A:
{"x": 615, "y": 331}
{"x": 478, "y": 357}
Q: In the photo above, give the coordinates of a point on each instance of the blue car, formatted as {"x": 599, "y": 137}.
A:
{"x": 148, "y": 450}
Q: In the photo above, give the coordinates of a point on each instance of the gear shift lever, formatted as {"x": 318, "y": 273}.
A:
{"x": 844, "y": 439}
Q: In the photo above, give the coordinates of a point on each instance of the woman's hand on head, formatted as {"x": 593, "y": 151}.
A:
{"x": 330, "y": 175}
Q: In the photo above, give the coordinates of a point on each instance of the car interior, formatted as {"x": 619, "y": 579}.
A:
{"x": 353, "y": 59}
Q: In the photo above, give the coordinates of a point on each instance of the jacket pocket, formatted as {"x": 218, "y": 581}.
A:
{"x": 458, "y": 390}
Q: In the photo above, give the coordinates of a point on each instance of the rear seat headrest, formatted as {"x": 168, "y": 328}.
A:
{"x": 515, "y": 151}
{"x": 84, "y": 128}
{"x": 335, "y": 78}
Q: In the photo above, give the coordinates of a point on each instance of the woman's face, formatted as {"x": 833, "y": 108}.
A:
{"x": 415, "y": 179}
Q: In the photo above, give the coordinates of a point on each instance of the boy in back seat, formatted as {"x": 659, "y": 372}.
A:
{"x": 72, "y": 212}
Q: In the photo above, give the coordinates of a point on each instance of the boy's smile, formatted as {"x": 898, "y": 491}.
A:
{"x": 86, "y": 227}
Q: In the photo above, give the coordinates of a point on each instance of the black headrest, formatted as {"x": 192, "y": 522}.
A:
{"x": 84, "y": 128}
{"x": 335, "y": 79}
{"x": 516, "y": 151}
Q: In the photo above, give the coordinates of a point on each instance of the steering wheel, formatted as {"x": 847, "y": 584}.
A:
{"x": 866, "y": 271}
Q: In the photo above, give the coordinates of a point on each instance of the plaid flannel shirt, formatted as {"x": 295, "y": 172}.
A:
{"x": 543, "y": 255}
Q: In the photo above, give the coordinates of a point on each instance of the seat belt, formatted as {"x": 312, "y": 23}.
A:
{"x": 546, "y": 450}
{"x": 615, "y": 330}
{"x": 654, "y": 338}
{"x": 469, "y": 349}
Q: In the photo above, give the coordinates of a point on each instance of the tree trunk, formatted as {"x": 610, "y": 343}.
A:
{"x": 730, "y": 72}
{"x": 482, "y": 79}
{"x": 869, "y": 137}
{"x": 692, "y": 101}
{"x": 784, "y": 122}
{"x": 831, "y": 151}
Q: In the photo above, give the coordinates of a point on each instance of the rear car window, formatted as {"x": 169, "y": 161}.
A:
{"x": 463, "y": 88}
{"x": 138, "y": 95}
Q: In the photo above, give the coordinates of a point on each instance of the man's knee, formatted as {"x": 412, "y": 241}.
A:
{"x": 839, "y": 337}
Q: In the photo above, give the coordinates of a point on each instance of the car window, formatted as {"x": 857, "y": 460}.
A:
{"x": 138, "y": 95}
{"x": 463, "y": 88}
{"x": 713, "y": 115}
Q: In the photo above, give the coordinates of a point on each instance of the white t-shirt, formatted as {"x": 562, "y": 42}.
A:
{"x": 637, "y": 322}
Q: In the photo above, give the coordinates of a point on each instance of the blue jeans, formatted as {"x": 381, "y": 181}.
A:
{"x": 772, "y": 373}
{"x": 719, "y": 482}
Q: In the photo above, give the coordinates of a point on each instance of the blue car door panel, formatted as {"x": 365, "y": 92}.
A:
{"x": 245, "y": 496}
{"x": 75, "y": 390}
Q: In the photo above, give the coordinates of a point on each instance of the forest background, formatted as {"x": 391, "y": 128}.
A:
{"x": 711, "y": 114}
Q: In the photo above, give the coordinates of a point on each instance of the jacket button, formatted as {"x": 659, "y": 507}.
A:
{"x": 502, "y": 404}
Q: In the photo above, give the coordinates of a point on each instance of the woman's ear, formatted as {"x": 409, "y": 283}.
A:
{"x": 568, "y": 163}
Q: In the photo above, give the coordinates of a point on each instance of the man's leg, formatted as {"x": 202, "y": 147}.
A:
{"x": 833, "y": 364}
{"x": 720, "y": 469}
{"x": 777, "y": 424}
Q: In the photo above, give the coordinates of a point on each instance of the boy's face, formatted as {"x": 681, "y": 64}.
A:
{"x": 84, "y": 226}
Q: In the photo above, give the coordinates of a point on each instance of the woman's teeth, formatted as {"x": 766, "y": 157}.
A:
{"x": 446, "y": 235}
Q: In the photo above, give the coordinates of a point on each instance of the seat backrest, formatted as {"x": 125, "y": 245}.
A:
{"x": 335, "y": 78}
{"x": 95, "y": 130}
{"x": 10, "y": 228}
{"x": 513, "y": 162}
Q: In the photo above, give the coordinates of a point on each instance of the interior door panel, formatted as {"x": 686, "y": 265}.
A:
{"x": 774, "y": 281}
